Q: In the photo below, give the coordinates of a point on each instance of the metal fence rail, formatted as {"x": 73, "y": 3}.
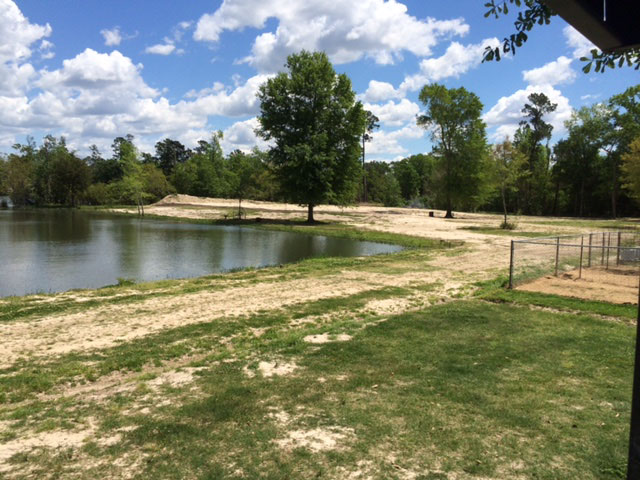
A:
{"x": 597, "y": 255}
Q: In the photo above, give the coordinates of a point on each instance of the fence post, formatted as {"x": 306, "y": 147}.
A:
{"x": 618, "y": 250}
{"x": 511, "y": 268}
{"x": 608, "y": 249}
{"x": 603, "y": 236}
{"x": 557, "y": 253}
{"x": 581, "y": 252}
{"x": 590, "y": 240}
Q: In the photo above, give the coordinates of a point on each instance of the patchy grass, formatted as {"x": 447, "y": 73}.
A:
{"x": 466, "y": 388}
{"x": 507, "y": 233}
{"x": 568, "y": 304}
{"x": 602, "y": 224}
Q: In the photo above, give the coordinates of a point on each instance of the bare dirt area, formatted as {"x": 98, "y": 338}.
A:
{"x": 615, "y": 285}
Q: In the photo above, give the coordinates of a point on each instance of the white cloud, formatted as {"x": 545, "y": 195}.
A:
{"x": 379, "y": 92}
{"x": 347, "y": 31}
{"x": 457, "y": 59}
{"x": 95, "y": 71}
{"x": 578, "y": 43}
{"x": 17, "y": 33}
{"x": 169, "y": 45}
{"x": 553, "y": 73}
{"x": 16, "y": 74}
{"x": 394, "y": 114}
{"x": 161, "y": 49}
{"x": 111, "y": 37}
{"x": 241, "y": 136}
{"x": 386, "y": 142}
{"x": 590, "y": 96}
{"x": 507, "y": 112}
{"x": 217, "y": 100}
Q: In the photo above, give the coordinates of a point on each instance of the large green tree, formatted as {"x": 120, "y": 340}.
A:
{"x": 315, "y": 123}
{"x": 371, "y": 124}
{"x": 532, "y": 138}
{"x": 453, "y": 116}
{"x": 170, "y": 153}
{"x": 631, "y": 169}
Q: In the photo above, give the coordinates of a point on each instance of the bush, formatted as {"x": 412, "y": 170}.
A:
{"x": 97, "y": 194}
{"x": 505, "y": 225}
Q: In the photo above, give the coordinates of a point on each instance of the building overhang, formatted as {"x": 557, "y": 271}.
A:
{"x": 612, "y": 25}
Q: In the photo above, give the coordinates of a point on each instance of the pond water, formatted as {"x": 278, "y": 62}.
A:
{"x": 57, "y": 250}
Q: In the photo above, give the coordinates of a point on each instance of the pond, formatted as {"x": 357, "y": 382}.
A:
{"x": 43, "y": 251}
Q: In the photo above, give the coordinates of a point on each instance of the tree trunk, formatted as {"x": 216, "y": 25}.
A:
{"x": 449, "y": 213}
{"x": 364, "y": 175}
{"x": 310, "y": 213}
{"x": 614, "y": 192}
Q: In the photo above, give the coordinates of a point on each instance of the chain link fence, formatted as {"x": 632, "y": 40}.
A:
{"x": 604, "y": 265}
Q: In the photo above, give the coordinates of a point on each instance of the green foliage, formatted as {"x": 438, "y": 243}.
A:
{"x": 631, "y": 169}
{"x": 204, "y": 173}
{"x": 98, "y": 194}
{"x": 311, "y": 115}
{"x": 506, "y": 225}
{"x": 508, "y": 169}
{"x": 382, "y": 184}
{"x": 170, "y": 153}
{"x": 20, "y": 174}
{"x": 454, "y": 118}
{"x": 529, "y": 137}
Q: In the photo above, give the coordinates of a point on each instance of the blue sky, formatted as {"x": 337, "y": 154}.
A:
{"x": 93, "y": 70}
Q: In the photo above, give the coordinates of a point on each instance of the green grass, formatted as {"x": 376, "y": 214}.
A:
{"x": 508, "y": 233}
{"x": 467, "y": 388}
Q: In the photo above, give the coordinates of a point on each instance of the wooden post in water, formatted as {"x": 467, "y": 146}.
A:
{"x": 581, "y": 252}
{"x": 557, "y": 253}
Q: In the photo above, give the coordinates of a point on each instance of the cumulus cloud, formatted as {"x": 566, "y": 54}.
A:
{"x": 242, "y": 136}
{"x": 161, "y": 49}
{"x": 388, "y": 142}
{"x": 457, "y": 60}
{"x": 394, "y": 113}
{"x": 579, "y": 44}
{"x": 169, "y": 45}
{"x": 19, "y": 39}
{"x": 507, "y": 112}
{"x": 112, "y": 37}
{"x": 218, "y": 100}
{"x": 553, "y": 73}
{"x": 379, "y": 92}
{"x": 347, "y": 31}
{"x": 17, "y": 33}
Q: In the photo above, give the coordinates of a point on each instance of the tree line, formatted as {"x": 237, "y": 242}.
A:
{"x": 318, "y": 130}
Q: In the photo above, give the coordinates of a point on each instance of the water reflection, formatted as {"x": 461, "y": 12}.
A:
{"x": 56, "y": 250}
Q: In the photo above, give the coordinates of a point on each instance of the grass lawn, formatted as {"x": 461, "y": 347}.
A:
{"x": 465, "y": 389}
